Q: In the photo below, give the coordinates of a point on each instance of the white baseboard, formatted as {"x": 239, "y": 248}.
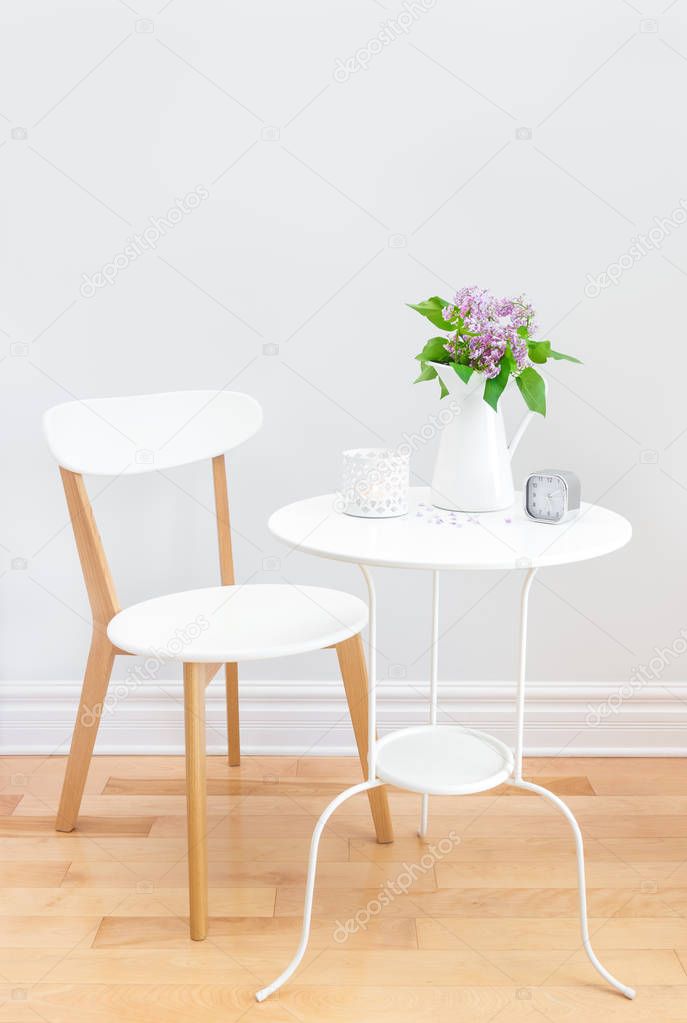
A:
{"x": 298, "y": 719}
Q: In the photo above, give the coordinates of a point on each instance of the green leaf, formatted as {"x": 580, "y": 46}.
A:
{"x": 567, "y": 358}
{"x": 464, "y": 372}
{"x": 494, "y": 388}
{"x": 539, "y": 351}
{"x": 434, "y": 351}
{"x": 428, "y": 373}
{"x": 431, "y": 310}
{"x": 444, "y": 388}
{"x": 510, "y": 359}
{"x": 532, "y": 388}
{"x": 522, "y": 332}
{"x": 430, "y": 303}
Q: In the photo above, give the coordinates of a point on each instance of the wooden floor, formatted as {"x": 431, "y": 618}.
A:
{"x": 479, "y": 923}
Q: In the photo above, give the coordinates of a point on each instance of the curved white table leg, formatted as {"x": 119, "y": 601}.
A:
{"x": 310, "y": 885}
{"x": 584, "y": 927}
{"x": 518, "y": 782}
{"x": 424, "y": 817}
{"x": 522, "y": 661}
{"x": 371, "y": 674}
{"x": 433, "y": 681}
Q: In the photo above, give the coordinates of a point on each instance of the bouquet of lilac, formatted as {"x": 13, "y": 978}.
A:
{"x": 487, "y": 335}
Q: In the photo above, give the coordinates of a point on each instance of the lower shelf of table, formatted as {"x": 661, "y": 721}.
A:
{"x": 443, "y": 760}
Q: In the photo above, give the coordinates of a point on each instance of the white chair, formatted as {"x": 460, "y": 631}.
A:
{"x": 202, "y": 629}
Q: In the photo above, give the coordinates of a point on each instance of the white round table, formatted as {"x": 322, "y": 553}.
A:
{"x": 437, "y": 759}
{"x": 431, "y": 538}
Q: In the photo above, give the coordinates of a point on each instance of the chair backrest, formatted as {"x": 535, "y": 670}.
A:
{"x": 145, "y": 432}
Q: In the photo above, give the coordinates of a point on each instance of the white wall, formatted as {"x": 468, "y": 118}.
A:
{"x": 521, "y": 147}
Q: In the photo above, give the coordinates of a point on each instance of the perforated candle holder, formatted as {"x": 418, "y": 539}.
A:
{"x": 375, "y": 483}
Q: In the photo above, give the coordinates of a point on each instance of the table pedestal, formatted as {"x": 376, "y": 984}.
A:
{"x": 443, "y": 760}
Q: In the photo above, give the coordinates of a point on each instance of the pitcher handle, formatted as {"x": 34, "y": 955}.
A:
{"x": 524, "y": 423}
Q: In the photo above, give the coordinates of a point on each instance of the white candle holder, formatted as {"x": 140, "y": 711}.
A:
{"x": 375, "y": 483}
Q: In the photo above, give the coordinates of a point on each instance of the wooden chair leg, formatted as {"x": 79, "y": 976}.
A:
{"x": 96, "y": 680}
{"x": 196, "y": 798}
{"x": 353, "y": 668}
{"x": 233, "y": 729}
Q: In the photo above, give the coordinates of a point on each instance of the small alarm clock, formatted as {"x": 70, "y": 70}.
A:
{"x": 552, "y": 495}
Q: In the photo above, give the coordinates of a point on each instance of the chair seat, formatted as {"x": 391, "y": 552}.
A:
{"x": 238, "y": 623}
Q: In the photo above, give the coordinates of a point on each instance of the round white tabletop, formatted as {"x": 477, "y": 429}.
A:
{"x": 430, "y": 538}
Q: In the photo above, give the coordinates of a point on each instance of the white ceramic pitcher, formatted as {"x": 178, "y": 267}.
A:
{"x": 473, "y": 471}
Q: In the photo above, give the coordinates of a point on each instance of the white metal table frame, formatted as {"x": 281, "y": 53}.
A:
{"x": 515, "y": 778}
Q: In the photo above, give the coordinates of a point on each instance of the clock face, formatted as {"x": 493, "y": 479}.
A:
{"x": 546, "y": 497}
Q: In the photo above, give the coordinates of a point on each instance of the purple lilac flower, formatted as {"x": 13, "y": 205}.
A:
{"x": 489, "y": 326}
